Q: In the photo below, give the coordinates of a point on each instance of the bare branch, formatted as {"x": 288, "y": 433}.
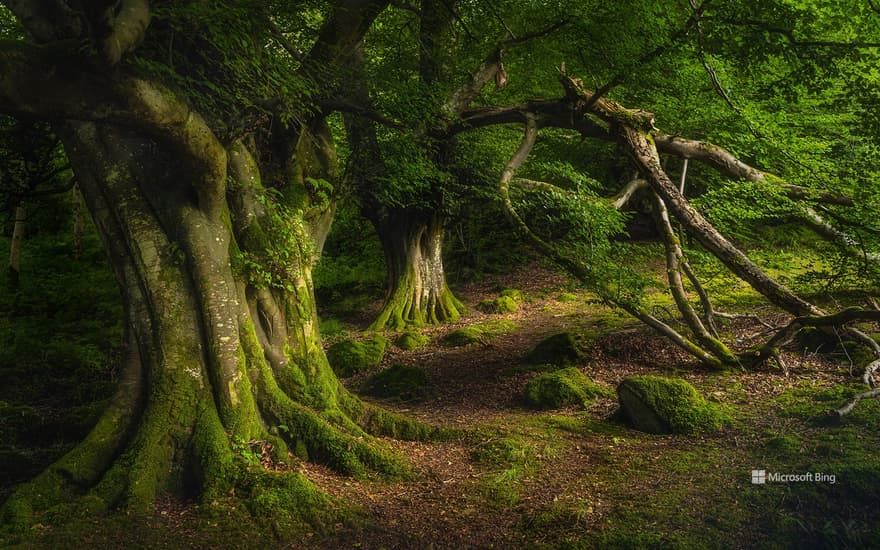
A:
{"x": 529, "y": 136}
{"x": 118, "y": 27}
{"x": 365, "y": 112}
{"x": 489, "y": 67}
{"x": 838, "y": 414}
{"x": 625, "y": 194}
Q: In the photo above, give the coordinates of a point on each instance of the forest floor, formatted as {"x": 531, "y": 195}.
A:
{"x": 580, "y": 477}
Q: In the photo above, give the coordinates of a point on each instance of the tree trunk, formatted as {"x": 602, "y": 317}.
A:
{"x": 78, "y": 221}
{"x": 14, "y": 269}
{"x": 214, "y": 357}
{"x": 417, "y": 293}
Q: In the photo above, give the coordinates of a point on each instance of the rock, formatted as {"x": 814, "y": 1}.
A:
{"x": 659, "y": 405}
{"x": 404, "y": 381}
{"x": 561, "y": 388}
{"x": 504, "y": 304}
{"x": 349, "y": 357}
{"x": 412, "y": 340}
{"x": 559, "y": 350}
{"x": 516, "y": 295}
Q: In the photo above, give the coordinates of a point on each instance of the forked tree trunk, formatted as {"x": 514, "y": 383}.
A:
{"x": 212, "y": 359}
{"x": 417, "y": 292}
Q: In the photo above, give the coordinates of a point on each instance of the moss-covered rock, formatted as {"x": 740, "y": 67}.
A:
{"x": 517, "y": 295}
{"x": 655, "y": 404}
{"x": 561, "y": 388}
{"x": 412, "y": 340}
{"x": 351, "y": 356}
{"x": 404, "y": 381}
{"x": 559, "y": 350}
{"x": 503, "y": 304}
{"x": 479, "y": 333}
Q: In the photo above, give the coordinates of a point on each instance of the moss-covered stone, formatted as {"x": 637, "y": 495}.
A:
{"x": 655, "y": 404}
{"x": 559, "y": 350}
{"x": 479, "y": 333}
{"x": 503, "y": 304}
{"x": 412, "y": 340}
{"x": 404, "y": 381}
{"x": 562, "y": 388}
{"x": 517, "y": 295}
{"x": 349, "y": 357}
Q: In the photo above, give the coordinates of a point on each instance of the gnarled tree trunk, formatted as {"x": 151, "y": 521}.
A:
{"x": 417, "y": 292}
{"x": 221, "y": 344}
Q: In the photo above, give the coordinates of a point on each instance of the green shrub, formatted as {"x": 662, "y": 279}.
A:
{"x": 404, "y": 381}
{"x": 561, "y": 388}
{"x": 656, "y": 404}
{"x": 350, "y": 356}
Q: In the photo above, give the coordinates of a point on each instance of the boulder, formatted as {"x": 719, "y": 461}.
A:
{"x": 659, "y": 405}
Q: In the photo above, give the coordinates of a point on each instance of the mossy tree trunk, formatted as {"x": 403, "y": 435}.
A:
{"x": 212, "y": 244}
{"x": 215, "y": 355}
{"x": 16, "y": 245}
{"x": 417, "y": 292}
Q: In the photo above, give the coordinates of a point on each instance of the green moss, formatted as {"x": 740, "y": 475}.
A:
{"x": 412, "y": 340}
{"x": 783, "y": 445}
{"x": 287, "y": 503}
{"x": 567, "y": 297}
{"x": 479, "y": 333}
{"x": 516, "y": 295}
{"x": 351, "y": 356}
{"x": 559, "y": 349}
{"x": 405, "y": 381}
{"x": 331, "y": 327}
{"x": 811, "y": 401}
{"x": 562, "y": 388}
{"x": 504, "y": 304}
{"x": 668, "y": 405}
{"x": 503, "y": 452}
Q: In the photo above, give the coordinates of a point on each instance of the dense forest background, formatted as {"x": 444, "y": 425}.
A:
{"x": 470, "y": 274}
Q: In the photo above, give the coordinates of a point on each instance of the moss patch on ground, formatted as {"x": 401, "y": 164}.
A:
{"x": 562, "y": 388}
{"x": 411, "y": 341}
{"x": 479, "y": 333}
{"x": 349, "y": 357}
{"x": 404, "y": 381}
{"x": 656, "y": 404}
{"x": 503, "y": 304}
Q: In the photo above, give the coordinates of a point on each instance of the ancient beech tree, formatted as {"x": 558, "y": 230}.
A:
{"x": 212, "y": 221}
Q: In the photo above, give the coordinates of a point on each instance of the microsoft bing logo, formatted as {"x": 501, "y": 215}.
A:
{"x": 759, "y": 477}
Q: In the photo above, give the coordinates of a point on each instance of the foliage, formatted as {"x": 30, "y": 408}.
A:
{"x": 284, "y": 247}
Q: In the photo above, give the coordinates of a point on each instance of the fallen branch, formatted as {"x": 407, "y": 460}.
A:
{"x": 837, "y": 414}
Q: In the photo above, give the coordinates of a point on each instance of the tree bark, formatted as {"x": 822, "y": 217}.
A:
{"x": 15, "y": 246}
{"x": 417, "y": 292}
{"x": 213, "y": 358}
